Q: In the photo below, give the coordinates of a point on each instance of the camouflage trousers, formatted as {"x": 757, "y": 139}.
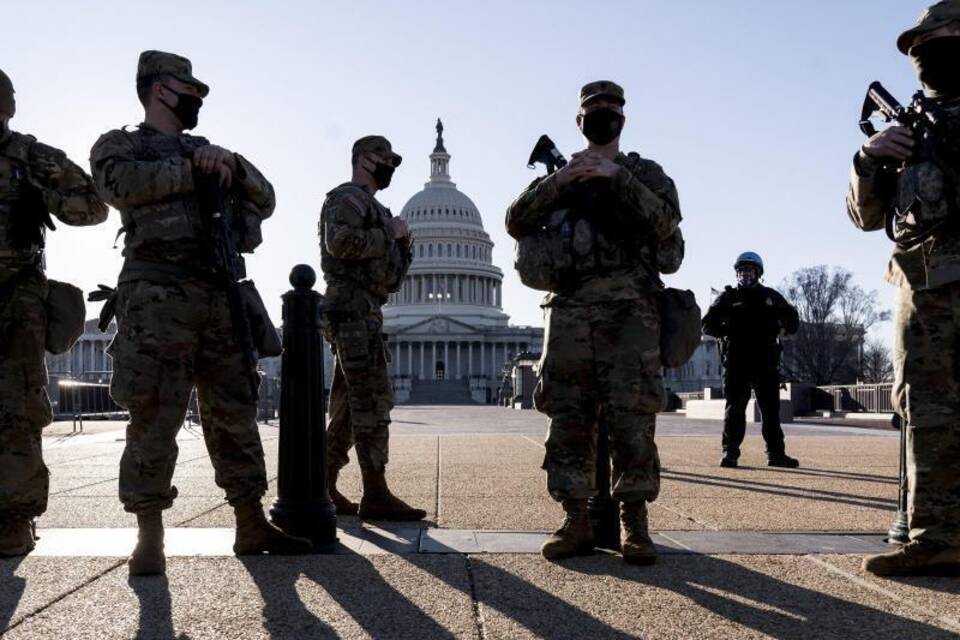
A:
{"x": 601, "y": 365}
{"x": 361, "y": 395}
{"x": 24, "y": 407}
{"x": 927, "y": 393}
{"x": 170, "y": 338}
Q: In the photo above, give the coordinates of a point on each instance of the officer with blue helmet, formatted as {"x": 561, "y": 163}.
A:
{"x": 748, "y": 320}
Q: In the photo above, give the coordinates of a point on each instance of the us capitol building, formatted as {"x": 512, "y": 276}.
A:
{"x": 447, "y": 333}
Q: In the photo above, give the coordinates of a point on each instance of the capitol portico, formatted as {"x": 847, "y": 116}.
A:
{"x": 447, "y": 332}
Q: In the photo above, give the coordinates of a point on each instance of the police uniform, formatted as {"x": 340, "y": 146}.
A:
{"x": 919, "y": 204}
{"x": 35, "y": 180}
{"x": 749, "y": 321}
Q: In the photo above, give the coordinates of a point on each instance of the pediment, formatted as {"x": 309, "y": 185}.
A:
{"x": 435, "y": 325}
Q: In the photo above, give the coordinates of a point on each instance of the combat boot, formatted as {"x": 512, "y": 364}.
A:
{"x": 575, "y": 535}
{"x": 16, "y": 537}
{"x": 728, "y": 461}
{"x": 636, "y": 546}
{"x": 378, "y": 503}
{"x": 255, "y": 535}
{"x": 147, "y": 558}
{"x": 345, "y": 506}
{"x": 782, "y": 460}
{"x": 917, "y": 558}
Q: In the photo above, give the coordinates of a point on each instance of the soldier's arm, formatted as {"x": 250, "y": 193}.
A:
{"x": 125, "y": 182}
{"x": 342, "y": 218}
{"x": 256, "y": 190}
{"x": 650, "y": 194}
{"x": 67, "y": 190}
{"x": 530, "y": 206}
{"x": 870, "y": 197}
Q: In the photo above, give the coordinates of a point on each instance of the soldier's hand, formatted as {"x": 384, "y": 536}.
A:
{"x": 225, "y": 175}
{"x": 595, "y": 165}
{"x": 399, "y": 228}
{"x": 207, "y": 158}
{"x": 573, "y": 171}
{"x": 893, "y": 143}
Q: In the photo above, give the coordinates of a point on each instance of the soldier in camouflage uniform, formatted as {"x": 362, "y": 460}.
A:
{"x": 920, "y": 199}
{"x": 174, "y": 323}
{"x": 601, "y": 359}
{"x": 35, "y": 181}
{"x": 365, "y": 253}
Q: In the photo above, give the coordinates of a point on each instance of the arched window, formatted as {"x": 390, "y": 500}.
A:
{"x": 421, "y": 251}
{"x": 449, "y": 250}
{"x": 458, "y": 250}
{"x": 474, "y": 252}
{"x": 430, "y": 251}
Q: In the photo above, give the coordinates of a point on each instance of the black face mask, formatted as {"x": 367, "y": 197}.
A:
{"x": 187, "y": 109}
{"x": 938, "y": 64}
{"x": 601, "y": 126}
{"x": 382, "y": 174}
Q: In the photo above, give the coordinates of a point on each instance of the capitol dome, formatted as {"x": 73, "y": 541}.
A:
{"x": 452, "y": 273}
{"x": 447, "y": 334}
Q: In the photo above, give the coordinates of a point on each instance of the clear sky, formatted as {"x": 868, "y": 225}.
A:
{"x": 750, "y": 106}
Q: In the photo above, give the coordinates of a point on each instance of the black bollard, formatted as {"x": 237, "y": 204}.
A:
{"x": 899, "y": 532}
{"x": 303, "y": 507}
{"x": 604, "y": 510}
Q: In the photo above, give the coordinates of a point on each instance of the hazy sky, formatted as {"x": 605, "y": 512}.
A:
{"x": 750, "y": 106}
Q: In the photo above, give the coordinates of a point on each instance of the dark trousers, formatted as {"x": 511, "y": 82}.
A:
{"x": 737, "y": 384}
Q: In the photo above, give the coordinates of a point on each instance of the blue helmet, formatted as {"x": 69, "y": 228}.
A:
{"x": 749, "y": 257}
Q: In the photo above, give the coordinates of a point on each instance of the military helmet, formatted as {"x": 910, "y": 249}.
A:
{"x": 8, "y": 104}
{"x": 934, "y": 18}
{"x": 749, "y": 257}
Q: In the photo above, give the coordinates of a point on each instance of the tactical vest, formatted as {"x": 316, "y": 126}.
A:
{"x": 21, "y": 205}
{"x": 173, "y": 218}
{"x": 587, "y": 235}
{"x": 379, "y": 276}
{"x": 928, "y": 190}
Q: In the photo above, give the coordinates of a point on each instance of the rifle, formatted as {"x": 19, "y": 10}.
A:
{"x": 922, "y": 116}
{"x": 924, "y": 119}
{"x": 546, "y": 153}
{"x": 229, "y": 266}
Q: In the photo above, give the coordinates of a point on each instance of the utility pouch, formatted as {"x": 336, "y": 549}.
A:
{"x": 544, "y": 259}
{"x": 353, "y": 344}
{"x": 266, "y": 340}
{"x": 66, "y": 314}
{"x": 680, "y": 328}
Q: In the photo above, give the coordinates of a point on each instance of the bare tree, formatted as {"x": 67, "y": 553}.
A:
{"x": 877, "y": 365}
{"x": 835, "y": 316}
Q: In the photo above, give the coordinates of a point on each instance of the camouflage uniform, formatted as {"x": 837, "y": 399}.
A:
{"x": 926, "y": 273}
{"x": 362, "y": 264}
{"x": 174, "y": 325}
{"x": 63, "y": 189}
{"x": 601, "y": 359}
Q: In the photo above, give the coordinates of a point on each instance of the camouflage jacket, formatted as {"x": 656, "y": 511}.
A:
{"x": 749, "y": 321}
{"x": 37, "y": 180}
{"x": 921, "y": 204}
{"x": 148, "y": 175}
{"x": 361, "y": 261}
{"x": 640, "y": 212}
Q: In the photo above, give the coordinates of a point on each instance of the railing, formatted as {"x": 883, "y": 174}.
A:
{"x": 860, "y": 398}
{"x": 74, "y": 398}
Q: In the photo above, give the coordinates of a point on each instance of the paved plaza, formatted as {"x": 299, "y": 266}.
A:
{"x": 746, "y": 553}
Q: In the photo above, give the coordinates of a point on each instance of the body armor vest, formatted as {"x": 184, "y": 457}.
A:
{"x": 927, "y": 195}
{"x": 174, "y": 218}
{"x": 22, "y": 209}
{"x": 379, "y": 276}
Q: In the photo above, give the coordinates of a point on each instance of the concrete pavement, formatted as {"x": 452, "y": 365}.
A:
{"x": 747, "y": 553}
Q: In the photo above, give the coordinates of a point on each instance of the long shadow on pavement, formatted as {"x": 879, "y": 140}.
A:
{"x": 355, "y": 584}
{"x": 762, "y": 602}
{"x": 11, "y": 590}
{"x": 544, "y": 614}
{"x": 156, "y": 609}
{"x": 747, "y": 484}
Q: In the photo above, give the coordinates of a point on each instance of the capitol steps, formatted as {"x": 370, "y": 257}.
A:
{"x": 440, "y": 392}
